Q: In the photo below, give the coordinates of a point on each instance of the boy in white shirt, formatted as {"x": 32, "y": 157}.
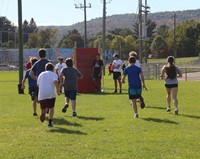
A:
{"x": 117, "y": 66}
{"x": 58, "y": 67}
{"x": 47, "y": 81}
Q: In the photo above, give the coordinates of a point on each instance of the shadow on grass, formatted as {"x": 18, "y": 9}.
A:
{"x": 160, "y": 120}
{"x": 90, "y": 118}
{"x": 61, "y": 121}
{"x": 66, "y": 131}
{"x": 190, "y": 116}
{"x": 155, "y": 107}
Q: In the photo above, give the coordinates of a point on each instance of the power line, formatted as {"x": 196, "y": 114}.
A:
{"x": 84, "y": 6}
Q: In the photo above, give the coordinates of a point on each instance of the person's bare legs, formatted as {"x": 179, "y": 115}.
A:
{"x": 51, "y": 113}
{"x": 168, "y": 98}
{"x": 174, "y": 92}
{"x": 34, "y": 102}
{"x": 74, "y": 108}
{"x": 120, "y": 85}
{"x": 134, "y": 103}
{"x": 115, "y": 83}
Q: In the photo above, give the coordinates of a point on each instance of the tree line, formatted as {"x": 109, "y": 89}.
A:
{"x": 161, "y": 40}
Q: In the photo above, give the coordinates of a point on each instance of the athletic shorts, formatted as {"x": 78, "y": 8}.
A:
{"x": 47, "y": 103}
{"x": 71, "y": 94}
{"x": 32, "y": 89}
{"x": 171, "y": 85}
{"x": 116, "y": 75}
{"x": 134, "y": 93}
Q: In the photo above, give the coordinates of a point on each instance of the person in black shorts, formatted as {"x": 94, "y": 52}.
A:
{"x": 32, "y": 86}
{"x": 170, "y": 73}
{"x": 97, "y": 73}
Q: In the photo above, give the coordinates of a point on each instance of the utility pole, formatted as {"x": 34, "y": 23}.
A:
{"x": 85, "y": 19}
{"x": 20, "y": 46}
{"x": 140, "y": 31}
{"x": 175, "y": 51}
{"x": 145, "y": 28}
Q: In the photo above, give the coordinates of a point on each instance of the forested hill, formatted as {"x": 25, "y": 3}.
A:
{"x": 94, "y": 26}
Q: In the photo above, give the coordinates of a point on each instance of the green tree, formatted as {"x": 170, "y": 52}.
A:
{"x": 44, "y": 38}
{"x": 158, "y": 46}
{"x": 68, "y": 40}
{"x": 7, "y": 31}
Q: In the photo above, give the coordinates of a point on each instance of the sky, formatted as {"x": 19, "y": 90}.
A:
{"x": 63, "y": 12}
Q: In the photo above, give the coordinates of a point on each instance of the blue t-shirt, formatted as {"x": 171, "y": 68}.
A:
{"x": 31, "y": 82}
{"x": 39, "y": 66}
{"x": 134, "y": 80}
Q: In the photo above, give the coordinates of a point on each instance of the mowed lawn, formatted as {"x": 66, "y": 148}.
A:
{"x": 105, "y": 127}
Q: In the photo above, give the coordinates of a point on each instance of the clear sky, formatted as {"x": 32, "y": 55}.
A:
{"x": 63, "y": 12}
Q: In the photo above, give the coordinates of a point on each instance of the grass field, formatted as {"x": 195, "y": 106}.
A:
{"x": 105, "y": 127}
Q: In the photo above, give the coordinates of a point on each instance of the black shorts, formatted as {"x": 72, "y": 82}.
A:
{"x": 171, "y": 85}
{"x": 47, "y": 103}
{"x": 117, "y": 75}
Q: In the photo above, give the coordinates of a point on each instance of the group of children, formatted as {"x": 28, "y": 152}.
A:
{"x": 42, "y": 82}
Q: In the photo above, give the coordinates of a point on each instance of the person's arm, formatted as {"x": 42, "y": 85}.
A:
{"x": 143, "y": 81}
{"x": 123, "y": 78}
{"x": 32, "y": 75}
{"x": 162, "y": 75}
{"x": 179, "y": 73}
{"x": 57, "y": 87}
{"x": 23, "y": 83}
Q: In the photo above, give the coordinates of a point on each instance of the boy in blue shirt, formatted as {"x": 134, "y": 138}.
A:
{"x": 135, "y": 82}
{"x": 32, "y": 86}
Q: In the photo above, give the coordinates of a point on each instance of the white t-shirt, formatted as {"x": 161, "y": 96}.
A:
{"x": 137, "y": 63}
{"x": 46, "y": 86}
{"x": 59, "y": 67}
{"x": 116, "y": 63}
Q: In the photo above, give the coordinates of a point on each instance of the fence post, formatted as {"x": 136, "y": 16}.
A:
{"x": 186, "y": 74}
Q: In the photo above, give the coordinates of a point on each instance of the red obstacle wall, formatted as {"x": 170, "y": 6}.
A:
{"x": 84, "y": 59}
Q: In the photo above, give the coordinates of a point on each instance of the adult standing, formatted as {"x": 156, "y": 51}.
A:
{"x": 170, "y": 73}
{"x": 117, "y": 66}
{"x": 97, "y": 72}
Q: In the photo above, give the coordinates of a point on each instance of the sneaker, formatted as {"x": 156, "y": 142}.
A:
{"x": 168, "y": 109}
{"x": 115, "y": 92}
{"x": 142, "y": 104}
{"x": 42, "y": 116}
{"x": 65, "y": 108}
{"x": 120, "y": 91}
{"x": 50, "y": 125}
{"x": 136, "y": 115}
{"x": 34, "y": 114}
{"x": 74, "y": 114}
{"x": 33, "y": 95}
{"x": 176, "y": 111}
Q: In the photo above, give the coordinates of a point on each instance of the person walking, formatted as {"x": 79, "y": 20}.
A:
{"x": 169, "y": 74}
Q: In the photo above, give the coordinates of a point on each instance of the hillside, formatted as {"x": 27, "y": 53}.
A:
{"x": 127, "y": 20}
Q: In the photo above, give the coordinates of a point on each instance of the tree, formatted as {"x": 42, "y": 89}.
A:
{"x": 28, "y": 28}
{"x": 44, "y": 38}
{"x": 7, "y": 31}
{"x": 70, "y": 38}
{"x": 158, "y": 46}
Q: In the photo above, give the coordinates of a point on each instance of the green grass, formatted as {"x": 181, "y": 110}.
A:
{"x": 105, "y": 127}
